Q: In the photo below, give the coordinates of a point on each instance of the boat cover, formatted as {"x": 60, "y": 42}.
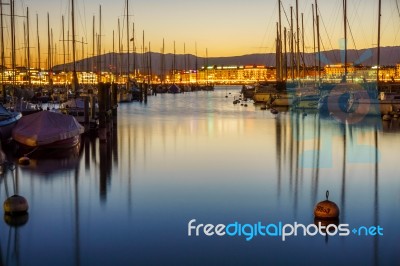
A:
{"x": 45, "y": 127}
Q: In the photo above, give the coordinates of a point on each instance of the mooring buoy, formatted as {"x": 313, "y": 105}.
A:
{"x": 245, "y": 105}
{"x": 24, "y": 160}
{"x": 16, "y": 220}
{"x": 326, "y": 209}
{"x": 15, "y": 205}
{"x": 274, "y": 111}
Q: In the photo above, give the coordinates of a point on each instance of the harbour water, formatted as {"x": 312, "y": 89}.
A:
{"x": 198, "y": 156}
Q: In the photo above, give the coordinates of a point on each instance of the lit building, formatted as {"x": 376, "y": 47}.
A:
{"x": 337, "y": 70}
{"x": 226, "y": 74}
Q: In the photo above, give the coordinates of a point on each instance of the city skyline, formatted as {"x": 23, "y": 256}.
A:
{"x": 224, "y": 28}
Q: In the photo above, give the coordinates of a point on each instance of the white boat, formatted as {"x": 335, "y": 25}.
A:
{"x": 264, "y": 93}
{"x": 306, "y": 98}
{"x": 76, "y": 108}
{"x": 47, "y": 130}
{"x": 8, "y": 120}
{"x": 387, "y": 103}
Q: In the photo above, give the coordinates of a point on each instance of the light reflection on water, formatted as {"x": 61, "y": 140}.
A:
{"x": 198, "y": 156}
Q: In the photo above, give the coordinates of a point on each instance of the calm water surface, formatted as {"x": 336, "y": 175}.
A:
{"x": 198, "y": 156}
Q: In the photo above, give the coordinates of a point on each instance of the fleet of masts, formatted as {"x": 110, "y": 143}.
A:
{"x": 290, "y": 48}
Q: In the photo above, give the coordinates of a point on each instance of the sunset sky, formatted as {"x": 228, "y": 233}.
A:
{"x": 225, "y": 27}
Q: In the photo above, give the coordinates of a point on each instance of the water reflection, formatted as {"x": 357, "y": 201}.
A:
{"x": 196, "y": 155}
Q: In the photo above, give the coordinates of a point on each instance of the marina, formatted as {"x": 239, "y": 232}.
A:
{"x": 118, "y": 147}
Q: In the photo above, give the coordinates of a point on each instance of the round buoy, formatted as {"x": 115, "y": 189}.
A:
{"x": 245, "y": 105}
{"x": 229, "y": 93}
{"x": 16, "y": 220}
{"x": 226, "y": 96}
{"x": 386, "y": 118}
{"x": 241, "y": 104}
{"x": 326, "y": 209}
{"x": 24, "y": 160}
{"x": 274, "y": 111}
{"x": 15, "y": 205}
{"x": 326, "y": 222}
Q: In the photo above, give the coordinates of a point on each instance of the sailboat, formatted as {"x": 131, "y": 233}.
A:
{"x": 7, "y": 122}
{"x": 174, "y": 88}
{"x": 208, "y": 86}
{"x": 384, "y": 103}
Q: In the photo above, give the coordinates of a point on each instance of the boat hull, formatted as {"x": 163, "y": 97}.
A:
{"x": 7, "y": 125}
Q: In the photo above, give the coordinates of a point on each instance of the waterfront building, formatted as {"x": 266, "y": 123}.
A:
{"x": 337, "y": 70}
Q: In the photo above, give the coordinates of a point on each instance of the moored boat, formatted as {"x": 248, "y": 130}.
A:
{"x": 8, "y": 120}
{"x": 264, "y": 93}
{"x": 47, "y": 130}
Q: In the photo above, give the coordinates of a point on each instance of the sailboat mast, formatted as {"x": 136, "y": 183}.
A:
{"x": 150, "y": 70}
{"x": 2, "y": 48}
{"x": 174, "y": 64}
{"x": 345, "y": 38}
{"x": 134, "y": 50}
{"x": 302, "y": 38}
{"x": 12, "y": 40}
{"x": 48, "y": 48}
{"x": 113, "y": 57}
{"x": 297, "y": 40}
{"x": 93, "y": 42}
{"x": 291, "y": 43}
{"x": 184, "y": 57}
{"x": 83, "y": 54}
{"x": 74, "y": 75}
{"x": 38, "y": 40}
{"x": 127, "y": 37}
{"x": 28, "y": 51}
{"x": 315, "y": 57}
{"x": 279, "y": 44}
{"x": 63, "y": 40}
{"x": 163, "y": 62}
{"x": 379, "y": 42}
{"x": 318, "y": 43}
{"x": 285, "y": 53}
{"x": 119, "y": 49}
{"x": 99, "y": 69}
{"x": 196, "y": 63}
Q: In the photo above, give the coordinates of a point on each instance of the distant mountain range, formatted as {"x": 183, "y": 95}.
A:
{"x": 390, "y": 56}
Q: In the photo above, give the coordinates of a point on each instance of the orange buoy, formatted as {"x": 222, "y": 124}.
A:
{"x": 15, "y": 205}
{"x": 326, "y": 209}
{"x": 16, "y": 220}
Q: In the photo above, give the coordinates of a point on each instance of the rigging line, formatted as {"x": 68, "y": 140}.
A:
{"x": 286, "y": 16}
{"x": 81, "y": 21}
{"x": 268, "y": 28}
{"x": 397, "y": 6}
{"x": 352, "y": 37}
{"x": 329, "y": 39}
